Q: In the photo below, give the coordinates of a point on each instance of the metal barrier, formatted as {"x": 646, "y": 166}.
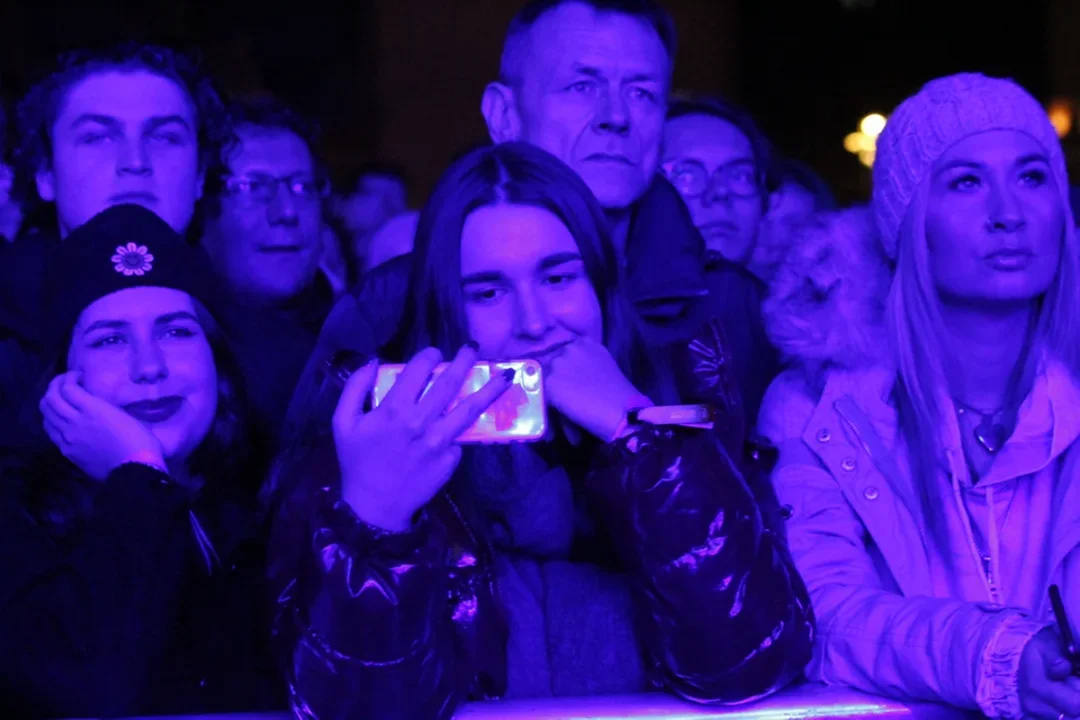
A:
{"x": 802, "y": 702}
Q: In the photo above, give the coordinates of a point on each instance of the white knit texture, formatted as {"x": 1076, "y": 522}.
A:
{"x": 941, "y": 114}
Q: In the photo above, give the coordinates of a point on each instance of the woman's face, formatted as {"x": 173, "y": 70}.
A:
{"x": 995, "y": 220}
{"x": 143, "y": 350}
{"x": 524, "y": 284}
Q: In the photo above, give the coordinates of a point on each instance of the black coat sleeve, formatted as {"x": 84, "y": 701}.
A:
{"x": 721, "y": 610}
{"x": 83, "y": 612}
{"x": 363, "y": 618}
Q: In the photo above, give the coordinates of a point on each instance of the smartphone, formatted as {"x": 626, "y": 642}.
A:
{"x": 519, "y": 415}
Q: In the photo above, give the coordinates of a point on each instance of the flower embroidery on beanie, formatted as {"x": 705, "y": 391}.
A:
{"x": 132, "y": 259}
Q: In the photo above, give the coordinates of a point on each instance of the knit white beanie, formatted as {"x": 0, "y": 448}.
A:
{"x": 941, "y": 114}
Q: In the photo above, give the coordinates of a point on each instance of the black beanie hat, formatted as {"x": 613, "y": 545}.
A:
{"x": 125, "y": 246}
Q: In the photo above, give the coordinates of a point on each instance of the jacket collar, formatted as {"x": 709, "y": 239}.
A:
{"x": 665, "y": 253}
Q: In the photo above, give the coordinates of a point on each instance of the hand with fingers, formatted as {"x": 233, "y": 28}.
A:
{"x": 1047, "y": 686}
{"x": 95, "y": 435}
{"x": 395, "y": 458}
{"x": 586, "y": 385}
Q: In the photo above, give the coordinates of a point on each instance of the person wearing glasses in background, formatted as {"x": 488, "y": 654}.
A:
{"x": 262, "y": 231}
{"x": 718, "y": 159}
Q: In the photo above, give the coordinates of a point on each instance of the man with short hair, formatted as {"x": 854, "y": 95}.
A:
{"x": 263, "y": 224}
{"x": 588, "y": 81}
{"x": 132, "y": 123}
{"x": 129, "y": 124}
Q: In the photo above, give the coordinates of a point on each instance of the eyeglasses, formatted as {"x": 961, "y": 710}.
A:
{"x": 691, "y": 179}
{"x": 264, "y": 188}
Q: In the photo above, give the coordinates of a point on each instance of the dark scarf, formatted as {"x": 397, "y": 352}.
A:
{"x": 569, "y": 610}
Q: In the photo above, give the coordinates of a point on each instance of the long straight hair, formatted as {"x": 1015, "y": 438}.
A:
{"x": 924, "y": 353}
{"x": 518, "y": 174}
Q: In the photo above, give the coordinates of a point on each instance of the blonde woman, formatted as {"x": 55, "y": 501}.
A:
{"x": 927, "y": 437}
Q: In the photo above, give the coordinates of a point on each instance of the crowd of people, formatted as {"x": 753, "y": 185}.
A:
{"x": 202, "y": 509}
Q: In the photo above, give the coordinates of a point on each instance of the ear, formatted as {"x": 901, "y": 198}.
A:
{"x": 500, "y": 113}
{"x": 775, "y": 199}
{"x": 46, "y": 185}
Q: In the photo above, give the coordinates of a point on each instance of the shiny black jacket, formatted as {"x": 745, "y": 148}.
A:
{"x": 409, "y": 625}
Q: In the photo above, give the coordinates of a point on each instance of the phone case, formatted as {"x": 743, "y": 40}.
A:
{"x": 520, "y": 415}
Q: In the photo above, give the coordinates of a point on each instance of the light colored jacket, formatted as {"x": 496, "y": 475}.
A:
{"x": 856, "y": 531}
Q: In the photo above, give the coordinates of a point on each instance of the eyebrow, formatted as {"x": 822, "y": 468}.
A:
{"x": 738, "y": 160}
{"x": 557, "y": 259}
{"x": 974, "y": 165}
{"x": 1033, "y": 158}
{"x": 642, "y": 77}
{"x": 588, "y": 70}
{"x": 173, "y": 316}
{"x": 96, "y": 118}
{"x": 549, "y": 262}
{"x": 160, "y": 320}
{"x": 105, "y": 325}
{"x": 161, "y": 120}
{"x": 153, "y": 123}
{"x": 595, "y": 72}
{"x": 255, "y": 174}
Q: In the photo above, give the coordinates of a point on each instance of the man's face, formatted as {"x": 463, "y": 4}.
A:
{"x": 124, "y": 136}
{"x": 265, "y": 242}
{"x": 593, "y": 92}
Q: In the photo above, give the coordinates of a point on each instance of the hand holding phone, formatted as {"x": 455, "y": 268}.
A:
{"x": 395, "y": 458}
{"x": 1045, "y": 684}
{"x": 519, "y": 415}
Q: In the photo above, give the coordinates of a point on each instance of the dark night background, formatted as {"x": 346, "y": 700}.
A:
{"x": 400, "y": 80}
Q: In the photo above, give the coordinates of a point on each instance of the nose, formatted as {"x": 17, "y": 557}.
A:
{"x": 282, "y": 209}
{"x": 148, "y": 364}
{"x": 1006, "y": 211}
{"x": 532, "y": 319}
{"x": 613, "y": 116}
{"x": 134, "y": 159}
{"x": 716, "y": 191}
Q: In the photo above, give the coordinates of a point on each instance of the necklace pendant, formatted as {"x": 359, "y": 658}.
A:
{"x": 991, "y": 435}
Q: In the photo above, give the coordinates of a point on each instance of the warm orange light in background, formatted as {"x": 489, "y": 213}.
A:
{"x": 872, "y": 125}
{"x": 863, "y": 143}
{"x": 854, "y": 142}
{"x": 1062, "y": 114}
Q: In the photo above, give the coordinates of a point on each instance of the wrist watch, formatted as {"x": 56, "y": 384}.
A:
{"x": 688, "y": 415}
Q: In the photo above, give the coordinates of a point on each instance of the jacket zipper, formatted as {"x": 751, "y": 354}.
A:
{"x": 489, "y": 550}
{"x": 493, "y": 583}
{"x": 984, "y": 556}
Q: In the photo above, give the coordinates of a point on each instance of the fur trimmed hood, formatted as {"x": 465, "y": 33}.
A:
{"x": 826, "y": 302}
